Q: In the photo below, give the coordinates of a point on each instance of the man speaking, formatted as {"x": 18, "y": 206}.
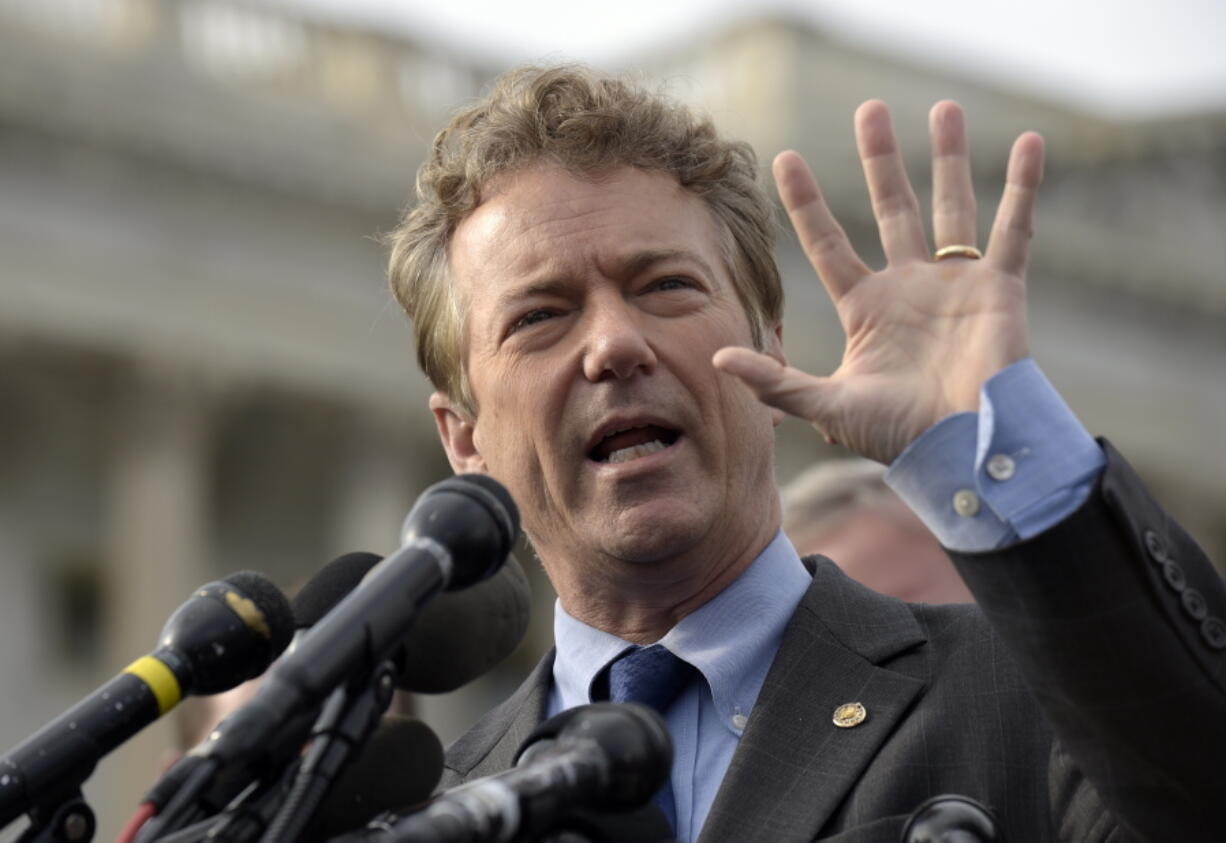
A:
{"x": 590, "y": 272}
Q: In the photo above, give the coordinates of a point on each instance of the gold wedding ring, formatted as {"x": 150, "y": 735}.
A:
{"x": 957, "y": 252}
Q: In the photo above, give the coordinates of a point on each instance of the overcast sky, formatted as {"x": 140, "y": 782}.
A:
{"x": 1133, "y": 57}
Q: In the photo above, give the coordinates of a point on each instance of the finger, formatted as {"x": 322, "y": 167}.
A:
{"x": 822, "y": 238}
{"x": 1009, "y": 244}
{"x": 894, "y": 202}
{"x": 953, "y": 194}
{"x": 795, "y": 392}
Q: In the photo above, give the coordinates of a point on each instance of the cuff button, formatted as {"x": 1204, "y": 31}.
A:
{"x": 1001, "y": 467}
{"x": 966, "y": 503}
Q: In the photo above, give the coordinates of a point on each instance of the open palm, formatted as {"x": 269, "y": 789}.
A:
{"x": 922, "y": 335}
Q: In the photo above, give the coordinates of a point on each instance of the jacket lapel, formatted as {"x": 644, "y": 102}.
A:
{"x": 490, "y": 746}
{"x": 794, "y": 765}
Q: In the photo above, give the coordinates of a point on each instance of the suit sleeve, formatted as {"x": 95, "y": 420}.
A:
{"x": 1118, "y": 622}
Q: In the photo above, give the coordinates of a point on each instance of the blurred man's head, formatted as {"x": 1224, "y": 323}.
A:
{"x": 844, "y": 510}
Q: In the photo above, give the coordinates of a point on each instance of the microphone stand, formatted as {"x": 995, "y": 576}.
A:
{"x": 348, "y": 719}
{"x": 278, "y": 807}
{"x": 244, "y": 818}
{"x": 67, "y": 819}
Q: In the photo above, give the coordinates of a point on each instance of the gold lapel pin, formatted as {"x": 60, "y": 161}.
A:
{"x": 850, "y": 714}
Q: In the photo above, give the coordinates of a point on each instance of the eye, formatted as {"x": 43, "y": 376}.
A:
{"x": 530, "y": 318}
{"x": 672, "y": 282}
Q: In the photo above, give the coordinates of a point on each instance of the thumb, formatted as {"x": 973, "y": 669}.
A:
{"x": 783, "y": 387}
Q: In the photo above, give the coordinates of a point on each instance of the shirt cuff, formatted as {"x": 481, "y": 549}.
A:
{"x": 1021, "y": 464}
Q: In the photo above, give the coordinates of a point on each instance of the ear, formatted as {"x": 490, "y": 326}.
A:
{"x": 456, "y": 429}
{"x": 772, "y": 345}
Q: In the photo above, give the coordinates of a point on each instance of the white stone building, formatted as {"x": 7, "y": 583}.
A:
{"x": 201, "y": 369}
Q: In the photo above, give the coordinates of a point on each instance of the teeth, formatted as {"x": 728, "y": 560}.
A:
{"x": 636, "y": 451}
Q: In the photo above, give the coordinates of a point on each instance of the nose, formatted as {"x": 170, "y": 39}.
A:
{"x": 615, "y": 346}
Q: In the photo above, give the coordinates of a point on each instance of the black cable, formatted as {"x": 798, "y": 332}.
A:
{"x": 181, "y": 810}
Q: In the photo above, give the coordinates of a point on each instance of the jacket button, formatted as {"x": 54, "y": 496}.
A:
{"x": 1155, "y": 547}
{"x": 1214, "y": 632}
{"x": 1194, "y": 604}
{"x": 1175, "y": 577}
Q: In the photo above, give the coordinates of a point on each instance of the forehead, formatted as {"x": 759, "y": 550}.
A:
{"x": 547, "y": 223}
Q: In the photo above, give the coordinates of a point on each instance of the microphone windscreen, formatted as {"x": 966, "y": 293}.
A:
{"x": 474, "y": 517}
{"x": 328, "y": 587}
{"x": 271, "y": 603}
{"x": 399, "y": 767}
{"x": 645, "y": 824}
{"x": 633, "y": 743}
{"x": 457, "y": 637}
{"x": 462, "y": 635}
{"x": 951, "y": 816}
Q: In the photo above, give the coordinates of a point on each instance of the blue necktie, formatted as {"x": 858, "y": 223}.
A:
{"x": 655, "y": 677}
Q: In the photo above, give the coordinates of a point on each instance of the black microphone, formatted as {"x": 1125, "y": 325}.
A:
{"x": 226, "y": 633}
{"x": 314, "y": 601}
{"x": 458, "y": 637}
{"x": 459, "y": 532}
{"x": 399, "y": 766}
{"x": 950, "y": 818}
{"x": 604, "y": 757}
{"x": 644, "y": 824}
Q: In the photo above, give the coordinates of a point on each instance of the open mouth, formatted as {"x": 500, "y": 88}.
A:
{"x": 631, "y": 443}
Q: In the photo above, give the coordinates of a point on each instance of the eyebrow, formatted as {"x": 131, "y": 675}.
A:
{"x": 641, "y": 261}
{"x": 548, "y": 287}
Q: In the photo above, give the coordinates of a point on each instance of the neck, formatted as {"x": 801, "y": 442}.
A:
{"x": 640, "y": 602}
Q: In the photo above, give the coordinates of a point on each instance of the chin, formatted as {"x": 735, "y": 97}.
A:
{"x": 654, "y": 535}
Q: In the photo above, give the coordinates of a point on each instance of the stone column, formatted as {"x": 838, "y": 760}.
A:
{"x": 376, "y": 487}
{"x": 156, "y": 533}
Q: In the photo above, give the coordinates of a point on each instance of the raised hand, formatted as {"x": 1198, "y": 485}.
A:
{"x": 922, "y": 334}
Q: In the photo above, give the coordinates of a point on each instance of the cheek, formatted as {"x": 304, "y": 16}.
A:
{"x": 750, "y": 434}
{"x": 746, "y": 414}
{"x": 509, "y": 427}
{"x": 495, "y": 438}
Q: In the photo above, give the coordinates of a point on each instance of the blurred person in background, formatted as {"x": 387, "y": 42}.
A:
{"x": 843, "y": 510}
{"x": 195, "y": 717}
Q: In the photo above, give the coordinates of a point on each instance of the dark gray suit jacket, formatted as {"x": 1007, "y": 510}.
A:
{"x": 1106, "y": 631}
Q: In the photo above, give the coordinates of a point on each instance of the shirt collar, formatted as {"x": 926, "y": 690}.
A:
{"x": 732, "y": 639}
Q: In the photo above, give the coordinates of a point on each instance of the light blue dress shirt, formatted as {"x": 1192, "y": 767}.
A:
{"x": 983, "y": 480}
{"x": 957, "y": 479}
{"x": 731, "y": 640}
